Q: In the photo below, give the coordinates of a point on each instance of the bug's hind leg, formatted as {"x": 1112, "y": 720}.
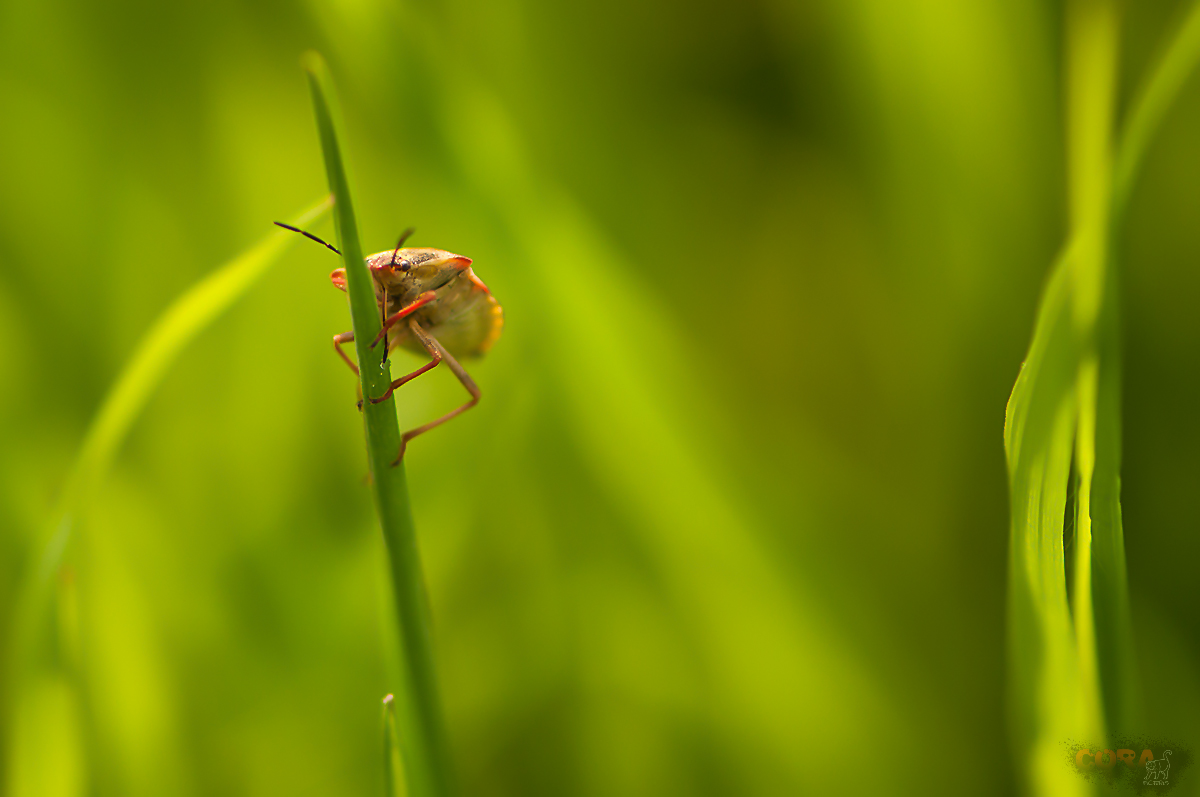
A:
{"x": 338, "y": 340}
{"x": 439, "y": 353}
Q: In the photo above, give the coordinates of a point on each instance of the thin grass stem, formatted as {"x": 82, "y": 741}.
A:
{"x": 418, "y": 710}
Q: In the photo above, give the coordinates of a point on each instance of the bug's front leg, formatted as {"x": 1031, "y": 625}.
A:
{"x": 402, "y": 313}
{"x": 439, "y": 353}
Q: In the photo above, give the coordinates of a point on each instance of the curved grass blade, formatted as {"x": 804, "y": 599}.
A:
{"x": 1153, "y": 100}
{"x": 1110, "y": 587}
{"x": 1116, "y": 666}
{"x": 422, "y": 736}
{"x": 1050, "y": 434}
{"x": 1047, "y": 700}
{"x": 189, "y": 315}
{"x": 1072, "y": 657}
{"x": 186, "y": 318}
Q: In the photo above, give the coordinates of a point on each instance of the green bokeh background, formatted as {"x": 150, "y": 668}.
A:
{"x": 731, "y": 517}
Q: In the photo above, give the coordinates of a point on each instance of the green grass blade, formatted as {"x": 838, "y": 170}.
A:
{"x": 1073, "y": 670}
{"x": 158, "y": 350}
{"x": 186, "y": 318}
{"x": 1046, "y": 698}
{"x": 1051, "y": 432}
{"x": 1091, "y": 92}
{"x": 1153, "y": 100}
{"x": 393, "y": 783}
{"x": 1110, "y": 585}
{"x": 422, "y": 737}
{"x": 1110, "y": 588}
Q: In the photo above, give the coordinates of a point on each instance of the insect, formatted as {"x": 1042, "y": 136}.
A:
{"x": 430, "y": 301}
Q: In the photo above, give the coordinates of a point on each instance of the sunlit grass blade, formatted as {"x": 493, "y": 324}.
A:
{"x": 1109, "y": 580}
{"x": 421, "y": 734}
{"x": 1047, "y": 700}
{"x": 1072, "y": 657}
{"x": 158, "y": 350}
{"x": 1050, "y": 437}
{"x": 1110, "y": 588}
{"x": 187, "y": 317}
{"x": 1152, "y": 101}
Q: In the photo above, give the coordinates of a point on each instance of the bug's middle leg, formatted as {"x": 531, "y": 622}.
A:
{"x": 338, "y": 340}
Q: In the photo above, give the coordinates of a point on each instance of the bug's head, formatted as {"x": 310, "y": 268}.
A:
{"x": 416, "y": 269}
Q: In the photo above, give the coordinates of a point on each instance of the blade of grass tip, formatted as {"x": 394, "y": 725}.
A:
{"x": 1152, "y": 101}
{"x": 422, "y": 736}
{"x": 393, "y": 786}
{"x": 179, "y": 324}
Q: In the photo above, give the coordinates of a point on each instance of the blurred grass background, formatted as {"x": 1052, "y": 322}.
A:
{"x": 731, "y": 518}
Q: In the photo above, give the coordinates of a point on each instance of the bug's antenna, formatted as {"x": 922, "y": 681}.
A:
{"x": 305, "y": 234}
{"x": 403, "y": 237}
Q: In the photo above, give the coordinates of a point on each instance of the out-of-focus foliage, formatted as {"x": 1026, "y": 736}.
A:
{"x": 731, "y": 517}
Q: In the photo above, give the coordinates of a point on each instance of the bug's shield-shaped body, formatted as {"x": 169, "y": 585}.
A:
{"x": 462, "y": 315}
{"x": 429, "y": 301}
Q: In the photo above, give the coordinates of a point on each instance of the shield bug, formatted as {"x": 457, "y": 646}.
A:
{"x": 430, "y": 302}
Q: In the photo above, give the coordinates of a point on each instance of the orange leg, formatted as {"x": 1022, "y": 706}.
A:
{"x": 338, "y": 340}
{"x": 408, "y": 377}
{"x": 422, "y": 300}
{"x": 439, "y": 354}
